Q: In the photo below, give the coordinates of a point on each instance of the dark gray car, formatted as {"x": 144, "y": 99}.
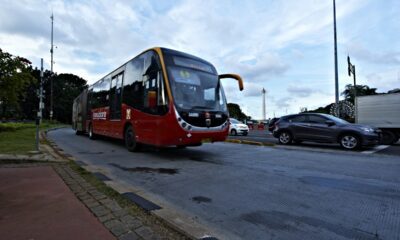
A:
{"x": 324, "y": 128}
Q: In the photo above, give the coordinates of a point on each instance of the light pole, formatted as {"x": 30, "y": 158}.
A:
{"x": 41, "y": 105}
{"x": 51, "y": 67}
{"x": 336, "y": 60}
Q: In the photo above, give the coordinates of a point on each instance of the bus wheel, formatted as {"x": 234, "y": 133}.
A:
{"x": 130, "y": 141}
{"x": 91, "y": 134}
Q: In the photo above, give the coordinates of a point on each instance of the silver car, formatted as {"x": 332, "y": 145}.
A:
{"x": 237, "y": 127}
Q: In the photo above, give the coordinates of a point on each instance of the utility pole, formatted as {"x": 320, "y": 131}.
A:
{"x": 41, "y": 105}
{"x": 263, "y": 104}
{"x": 51, "y": 64}
{"x": 336, "y": 60}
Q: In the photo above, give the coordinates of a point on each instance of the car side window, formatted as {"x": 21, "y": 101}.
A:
{"x": 316, "y": 119}
{"x": 298, "y": 119}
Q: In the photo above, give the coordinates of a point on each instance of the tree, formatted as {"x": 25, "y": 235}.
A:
{"x": 66, "y": 87}
{"x": 236, "y": 112}
{"x": 14, "y": 77}
{"x": 325, "y": 109}
{"x": 362, "y": 90}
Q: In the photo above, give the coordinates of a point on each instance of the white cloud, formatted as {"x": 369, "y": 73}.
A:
{"x": 269, "y": 43}
{"x": 301, "y": 91}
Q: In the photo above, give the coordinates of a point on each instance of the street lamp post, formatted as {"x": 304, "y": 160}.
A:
{"x": 41, "y": 105}
{"x": 51, "y": 65}
{"x": 336, "y": 60}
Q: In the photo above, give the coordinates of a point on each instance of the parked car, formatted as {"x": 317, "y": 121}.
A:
{"x": 237, "y": 127}
{"x": 324, "y": 128}
{"x": 271, "y": 124}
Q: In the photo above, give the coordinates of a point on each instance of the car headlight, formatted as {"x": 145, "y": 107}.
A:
{"x": 367, "y": 129}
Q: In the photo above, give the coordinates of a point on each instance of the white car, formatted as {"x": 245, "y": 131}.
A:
{"x": 237, "y": 127}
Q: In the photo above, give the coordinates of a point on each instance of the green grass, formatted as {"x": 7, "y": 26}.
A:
{"x": 19, "y": 138}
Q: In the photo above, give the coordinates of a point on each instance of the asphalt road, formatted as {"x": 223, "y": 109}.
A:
{"x": 265, "y": 136}
{"x": 253, "y": 192}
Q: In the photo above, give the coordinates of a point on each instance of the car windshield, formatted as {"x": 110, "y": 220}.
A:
{"x": 234, "y": 121}
{"x": 336, "y": 119}
{"x": 195, "y": 85}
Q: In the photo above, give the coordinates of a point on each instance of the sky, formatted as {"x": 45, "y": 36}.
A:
{"x": 283, "y": 46}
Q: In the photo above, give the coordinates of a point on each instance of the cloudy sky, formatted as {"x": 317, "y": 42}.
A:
{"x": 283, "y": 46}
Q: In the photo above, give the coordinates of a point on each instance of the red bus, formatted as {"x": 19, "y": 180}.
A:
{"x": 162, "y": 97}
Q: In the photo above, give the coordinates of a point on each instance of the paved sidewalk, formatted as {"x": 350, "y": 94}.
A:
{"x": 46, "y": 200}
{"x": 42, "y": 197}
{"x": 36, "y": 204}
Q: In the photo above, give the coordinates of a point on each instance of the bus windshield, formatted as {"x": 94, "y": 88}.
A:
{"x": 195, "y": 85}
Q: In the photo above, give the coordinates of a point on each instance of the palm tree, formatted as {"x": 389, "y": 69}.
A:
{"x": 362, "y": 90}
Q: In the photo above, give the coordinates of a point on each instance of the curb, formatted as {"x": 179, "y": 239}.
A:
{"x": 237, "y": 141}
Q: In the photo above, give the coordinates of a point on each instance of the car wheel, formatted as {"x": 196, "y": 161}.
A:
{"x": 91, "y": 134}
{"x": 245, "y": 134}
{"x": 349, "y": 141}
{"x": 130, "y": 140}
{"x": 285, "y": 137}
{"x": 233, "y": 132}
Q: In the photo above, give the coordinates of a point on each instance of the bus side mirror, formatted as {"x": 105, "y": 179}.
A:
{"x": 151, "y": 99}
{"x": 234, "y": 76}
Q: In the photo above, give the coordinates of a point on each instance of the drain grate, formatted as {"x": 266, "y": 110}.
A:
{"x": 141, "y": 202}
{"x": 101, "y": 176}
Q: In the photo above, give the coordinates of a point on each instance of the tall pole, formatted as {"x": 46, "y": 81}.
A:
{"x": 336, "y": 60}
{"x": 263, "y": 104}
{"x": 41, "y": 105}
{"x": 51, "y": 64}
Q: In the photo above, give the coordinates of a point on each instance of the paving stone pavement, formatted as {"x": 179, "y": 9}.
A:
{"x": 115, "y": 218}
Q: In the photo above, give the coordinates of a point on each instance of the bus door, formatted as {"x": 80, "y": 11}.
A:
{"x": 115, "y": 124}
{"x": 154, "y": 99}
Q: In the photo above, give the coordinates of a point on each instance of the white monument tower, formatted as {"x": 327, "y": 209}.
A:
{"x": 263, "y": 104}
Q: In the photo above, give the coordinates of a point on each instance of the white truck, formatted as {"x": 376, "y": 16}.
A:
{"x": 381, "y": 111}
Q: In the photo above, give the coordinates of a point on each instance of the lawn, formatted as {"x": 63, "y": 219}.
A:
{"x": 19, "y": 138}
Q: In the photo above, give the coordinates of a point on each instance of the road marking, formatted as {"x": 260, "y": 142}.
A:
{"x": 376, "y": 149}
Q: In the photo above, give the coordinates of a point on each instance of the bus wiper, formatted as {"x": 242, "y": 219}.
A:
{"x": 199, "y": 107}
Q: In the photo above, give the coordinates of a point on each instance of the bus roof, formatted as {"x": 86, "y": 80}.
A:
{"x": 182, "y": 54}
{"x": 163, "y": 50}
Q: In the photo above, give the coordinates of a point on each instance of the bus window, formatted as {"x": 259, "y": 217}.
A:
{"x": 115, "y": 96}
{"x": 155, "y": 101}
{"x": 133, "y": 87}
{"x": 89, "y": 102}
{"x": 101, "y": 93}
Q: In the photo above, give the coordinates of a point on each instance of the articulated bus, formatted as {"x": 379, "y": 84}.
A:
{"x": 162, "y": 97}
